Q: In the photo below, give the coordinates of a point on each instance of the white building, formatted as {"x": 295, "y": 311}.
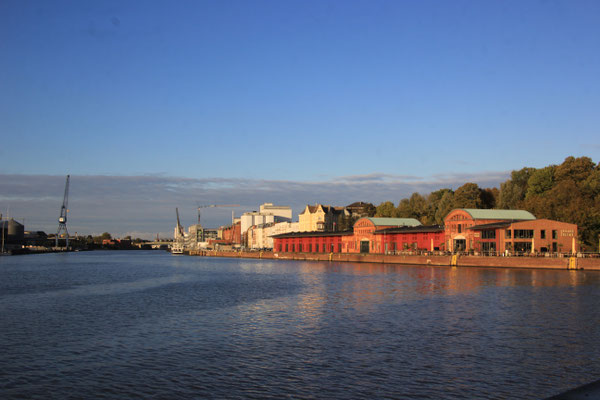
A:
{"x": 260, "y": 236}
{"x": 280, "y": 211}
{"x": 268, "y": 214}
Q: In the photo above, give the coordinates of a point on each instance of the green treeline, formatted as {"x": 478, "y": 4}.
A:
{"x": 569, "y": 192}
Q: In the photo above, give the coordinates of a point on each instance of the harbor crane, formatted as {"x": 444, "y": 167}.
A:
{"x": 62, "y": 220}
{"x": 215, "y": 205}
{"x": 179, "y": 226}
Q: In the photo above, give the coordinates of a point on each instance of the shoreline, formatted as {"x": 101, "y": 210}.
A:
{"x": 566, "y": 263}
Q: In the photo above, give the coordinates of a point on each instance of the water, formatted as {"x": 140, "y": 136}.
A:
{"x": 153, "y": 325}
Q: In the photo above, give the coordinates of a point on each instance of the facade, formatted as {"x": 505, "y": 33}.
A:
{"x": 364, "y": 239}
{"x": 310, "y": 242}
{"x": 254, "y": 218}
{"x": 507, "y": 231}
{"x": 231, "y": 234}
{"x": 284, "y": 212}
{"x": 321, "y": 218}
{"x": 480, "y": 231}
{"x": 537, "y": 236}
{"x": 195, "y": 233}
{"x": 410, "y": 238}
{"x": 261, "y": 236}
{"x": 268, "y": 214}
{"x": 12, "y": 232}
{"x": 368, "y": 236}
{"x": 459, "y": 236}
{"x": 210, "y": 234}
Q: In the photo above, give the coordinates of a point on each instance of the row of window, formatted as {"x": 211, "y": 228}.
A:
{"x": 528, "y": 234}
{"x": 323, "y": 248}
{"x": 318, "y": 249}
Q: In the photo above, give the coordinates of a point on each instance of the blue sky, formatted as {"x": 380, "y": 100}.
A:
{"x": 307, "y": 92}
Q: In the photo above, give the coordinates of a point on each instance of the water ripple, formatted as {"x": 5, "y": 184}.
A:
{"x": 153, "y": 326}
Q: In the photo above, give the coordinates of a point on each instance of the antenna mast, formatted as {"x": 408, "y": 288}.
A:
{"x": 62, "y": 220}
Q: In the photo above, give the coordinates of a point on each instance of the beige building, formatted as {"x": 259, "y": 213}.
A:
{"x": 320, "y": 218}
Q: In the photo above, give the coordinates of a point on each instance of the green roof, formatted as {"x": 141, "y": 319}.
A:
{"x": 499, "y": 214}
{"x": 394, "y": 221}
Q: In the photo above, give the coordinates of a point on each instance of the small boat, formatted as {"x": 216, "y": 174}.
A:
{"x": 177, "y": 248}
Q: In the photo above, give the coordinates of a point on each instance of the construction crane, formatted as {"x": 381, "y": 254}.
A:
{"x": 214, "y": 205}
{"x": 62, "y": 220}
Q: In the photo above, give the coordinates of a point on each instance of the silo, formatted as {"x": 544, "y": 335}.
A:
{"x": 15, "y": 232}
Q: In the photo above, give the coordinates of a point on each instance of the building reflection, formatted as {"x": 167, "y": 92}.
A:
{"x": 364, "y": 286}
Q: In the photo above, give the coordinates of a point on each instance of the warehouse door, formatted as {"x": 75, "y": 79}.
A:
{"x": 460, "y": 244}
{"x": 364, "y": 246}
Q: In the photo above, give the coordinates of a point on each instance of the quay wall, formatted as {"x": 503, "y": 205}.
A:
{"x": 436, "y": 260}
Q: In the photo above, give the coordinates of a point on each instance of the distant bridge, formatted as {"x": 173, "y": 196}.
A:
{"x": 157, "y": 244}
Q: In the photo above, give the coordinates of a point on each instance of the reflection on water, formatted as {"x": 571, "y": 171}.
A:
{"x": 147, "y": 324}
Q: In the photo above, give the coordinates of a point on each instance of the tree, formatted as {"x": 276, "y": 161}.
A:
{"x": 489, "y": 197}
{"x": 346, "y": 222}
{"x": 468, "y": 196}
{"x": 512, "y": 192}
{"x": 444, "y": 207}
{"x": 385, "y": 209}
{"x": 370, "y": 209}
{"x": 404, "y": 209}
{"x": 576, "y": 169}
{"x": 568, "y": 192}
{"x": 540, "y": 181}
{"x": 418, "y": 206}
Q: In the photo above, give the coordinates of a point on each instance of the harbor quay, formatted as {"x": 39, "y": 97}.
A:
{"x": 432, "y": 259}
{"x": 468, "y": 237}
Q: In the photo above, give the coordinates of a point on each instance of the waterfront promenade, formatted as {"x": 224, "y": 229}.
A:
{"x": 566, "y": 262}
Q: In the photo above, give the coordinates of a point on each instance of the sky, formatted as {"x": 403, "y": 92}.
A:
{"x": 158, "y": 104}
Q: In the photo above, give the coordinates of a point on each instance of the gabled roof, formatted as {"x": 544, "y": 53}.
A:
{"x": 394, "y": 221}
{"x": 327, "y": 209}
{"x": 499, "y": 214}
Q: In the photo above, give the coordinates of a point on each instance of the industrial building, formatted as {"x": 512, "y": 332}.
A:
{"x": 369, "y": 235}
{"x": 465, "y": 230}
{"x": 267, "y": 214}
{"x": 11, "y": 232}
{"x": 504, "y": 231}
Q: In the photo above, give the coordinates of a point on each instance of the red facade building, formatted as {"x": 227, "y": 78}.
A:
{"x": 481, "y": 231}
{"x": 309, "y": 242}
{"x": 428, "y": 238}
{"x": 231, "y": 234}
{"x": 369, "y": 235}
{"x": 502, "y": 231}
{"x": 458, "y": 224}
{"x": 537, "y": 236}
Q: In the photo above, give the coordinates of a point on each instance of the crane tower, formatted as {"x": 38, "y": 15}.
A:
{"x": 62, "y": 220}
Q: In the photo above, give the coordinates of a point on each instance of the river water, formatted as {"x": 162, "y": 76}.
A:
{"x": 153, "y": 325}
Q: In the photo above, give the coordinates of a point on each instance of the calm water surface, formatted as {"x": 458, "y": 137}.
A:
{"x": 153, "y": 325}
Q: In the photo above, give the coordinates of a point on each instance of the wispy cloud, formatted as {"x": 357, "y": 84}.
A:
{"x": 145, "y": 205}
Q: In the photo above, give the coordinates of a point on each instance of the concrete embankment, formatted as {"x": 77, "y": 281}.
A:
{"x": 437, "y": 260}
